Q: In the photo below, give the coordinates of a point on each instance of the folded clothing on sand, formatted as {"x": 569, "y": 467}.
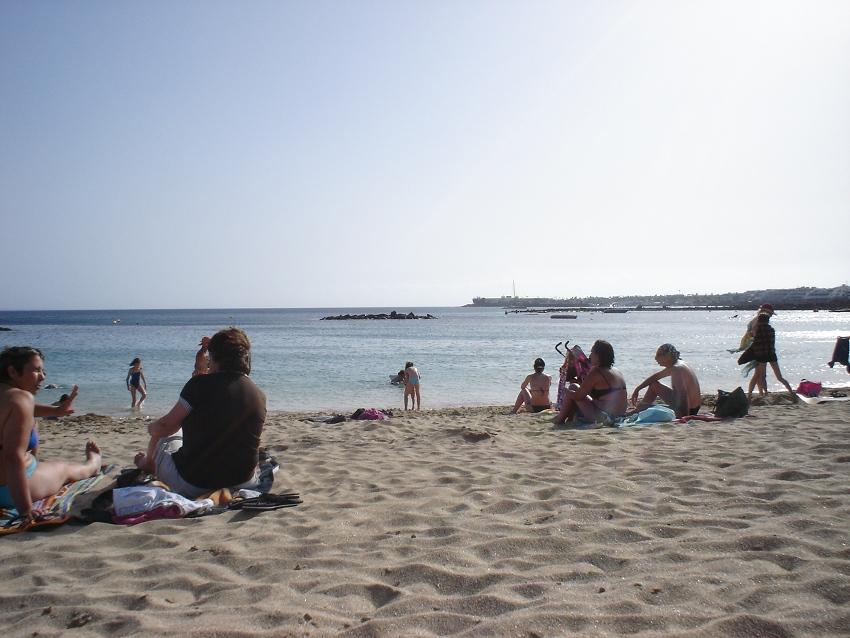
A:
{"x": 129, "y": 501}
{"x": 371, "y": 414}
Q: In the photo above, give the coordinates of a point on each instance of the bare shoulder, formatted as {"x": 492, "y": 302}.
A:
{"x": 18, "y": 398}
{"x": 15, "y": 401}
{"x": 594, "y": 375}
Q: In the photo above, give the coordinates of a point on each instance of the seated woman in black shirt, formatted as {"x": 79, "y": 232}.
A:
{"x": 211, "y": 437}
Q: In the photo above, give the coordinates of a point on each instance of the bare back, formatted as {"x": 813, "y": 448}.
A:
{"x": 538, "y": 385}
{"x": 685, "y": 383}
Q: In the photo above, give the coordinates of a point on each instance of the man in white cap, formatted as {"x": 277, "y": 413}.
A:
{"x": 202, "y": 359}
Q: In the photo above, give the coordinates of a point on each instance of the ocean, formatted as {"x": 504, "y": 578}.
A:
{"x": 467, "y": 357}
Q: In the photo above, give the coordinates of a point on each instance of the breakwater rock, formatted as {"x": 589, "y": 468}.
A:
{"x": 383, "y": 315}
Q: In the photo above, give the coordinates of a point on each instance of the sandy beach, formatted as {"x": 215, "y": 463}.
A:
{"x": 470, "y": 522}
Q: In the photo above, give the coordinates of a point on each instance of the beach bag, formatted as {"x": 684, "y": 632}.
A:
{"x": 731, "y": 404}
{"x": 809, "y": 388}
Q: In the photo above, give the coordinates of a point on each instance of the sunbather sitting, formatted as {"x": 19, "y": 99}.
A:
{"x": 23, "y": 478}
{"x": 211, "y": 437}
{"x": 683, "y": 397}
{"x": 534, "y": 390}
{"x": 602, "y": 393}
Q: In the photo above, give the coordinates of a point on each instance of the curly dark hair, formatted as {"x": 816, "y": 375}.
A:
{"x": 605, "y": 352}
{"x": 231, "y": 350}
{"x": 16, "y": 357}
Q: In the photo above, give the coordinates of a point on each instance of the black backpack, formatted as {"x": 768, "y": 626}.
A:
{"x": 731, "y": 404}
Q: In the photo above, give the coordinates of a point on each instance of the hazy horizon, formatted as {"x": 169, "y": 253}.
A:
{"x": 387, "y": 306}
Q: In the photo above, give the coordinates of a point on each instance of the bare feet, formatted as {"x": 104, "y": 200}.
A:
{"x": 141, "y": 461}
{"x": 93, "y": 458}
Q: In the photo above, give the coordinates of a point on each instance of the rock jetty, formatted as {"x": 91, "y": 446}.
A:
{"x": 383, "y": 315}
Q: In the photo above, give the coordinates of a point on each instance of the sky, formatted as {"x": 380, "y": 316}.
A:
{"x": 381, "y": 153}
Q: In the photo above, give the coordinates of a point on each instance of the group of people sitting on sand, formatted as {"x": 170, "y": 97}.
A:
{"x": 601, "y": 394}
{"x": 209, "y": 440}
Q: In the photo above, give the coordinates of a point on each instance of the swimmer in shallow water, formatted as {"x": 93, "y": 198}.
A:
{"x": 136, "y": 382}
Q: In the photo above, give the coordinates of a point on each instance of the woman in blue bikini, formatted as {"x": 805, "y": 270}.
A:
{"x": 136, "y": 381}
{"x": 23, "y": 478}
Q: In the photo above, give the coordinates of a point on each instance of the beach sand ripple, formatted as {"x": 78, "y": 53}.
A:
{"x": 470, "y": 522}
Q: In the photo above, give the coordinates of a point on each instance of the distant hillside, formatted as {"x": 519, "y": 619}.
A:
{"x": 806, "y": 298}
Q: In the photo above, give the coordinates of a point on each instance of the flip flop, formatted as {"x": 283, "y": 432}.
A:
{"x": 266, "y": 502}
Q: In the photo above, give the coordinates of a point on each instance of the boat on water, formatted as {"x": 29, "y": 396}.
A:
{"x": 615, "y": 311}
{"x": 564, "y": 317}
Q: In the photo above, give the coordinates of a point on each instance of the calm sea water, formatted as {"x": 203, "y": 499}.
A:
{"x": 469, "y": 356}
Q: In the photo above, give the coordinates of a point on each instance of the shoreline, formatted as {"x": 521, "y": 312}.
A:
{"x": 708, "y": 403}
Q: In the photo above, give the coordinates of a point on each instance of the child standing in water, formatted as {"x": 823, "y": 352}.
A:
{"x": 411, "y": 386}
{"x": 136, "y": 381}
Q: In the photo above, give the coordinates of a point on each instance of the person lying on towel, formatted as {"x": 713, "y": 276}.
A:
{"x": 211, "y": 437}
{"x": 23, "y": 477}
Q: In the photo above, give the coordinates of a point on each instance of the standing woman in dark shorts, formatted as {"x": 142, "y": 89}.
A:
{"x": 136, "y": 381}
{"x": 763, "y": 351}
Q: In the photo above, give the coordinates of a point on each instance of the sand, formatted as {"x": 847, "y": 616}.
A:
{"x": 471, "y": 522}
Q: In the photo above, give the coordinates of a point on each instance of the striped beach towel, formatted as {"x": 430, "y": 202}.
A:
{"x": 57, "y": 507}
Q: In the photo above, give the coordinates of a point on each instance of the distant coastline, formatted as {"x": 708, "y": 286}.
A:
{"x": 806, "y": 298}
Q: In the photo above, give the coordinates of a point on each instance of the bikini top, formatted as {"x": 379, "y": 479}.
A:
{"x": 33, "y": 442}
{"x": 598, "y": 393}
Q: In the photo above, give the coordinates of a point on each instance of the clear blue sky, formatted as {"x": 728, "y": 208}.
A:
{"x": 284, "y": 154}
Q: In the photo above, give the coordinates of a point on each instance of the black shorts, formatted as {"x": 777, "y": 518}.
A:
{"x": 539, "y": 408}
